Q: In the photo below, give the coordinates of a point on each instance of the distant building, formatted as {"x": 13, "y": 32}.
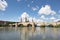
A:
{"x": 24, "y": 17}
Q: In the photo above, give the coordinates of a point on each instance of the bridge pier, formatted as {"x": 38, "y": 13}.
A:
{"x": 10, "y": 25}
{"x": 33, "y": 24}
{"x": 16, "y": 24}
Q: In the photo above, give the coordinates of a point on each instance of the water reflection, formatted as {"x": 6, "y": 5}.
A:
{"x": 29, "y": 33}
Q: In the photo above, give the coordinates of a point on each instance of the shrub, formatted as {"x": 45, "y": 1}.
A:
{"x": 58, "y": 25}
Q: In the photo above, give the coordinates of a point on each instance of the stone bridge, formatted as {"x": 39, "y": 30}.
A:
{"x": 26, "y": 24}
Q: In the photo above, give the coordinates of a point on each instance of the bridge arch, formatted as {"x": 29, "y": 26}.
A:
{"x": 50, "y": 25}
{"x": 13, "y": 25}
{"x": 20, "y": 25}
{"x": 29, "y": 25}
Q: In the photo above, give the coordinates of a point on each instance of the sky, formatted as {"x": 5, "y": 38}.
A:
{"x": 38, "y": 10}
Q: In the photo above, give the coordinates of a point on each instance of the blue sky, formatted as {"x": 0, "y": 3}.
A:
{"x": 13, "y": 9}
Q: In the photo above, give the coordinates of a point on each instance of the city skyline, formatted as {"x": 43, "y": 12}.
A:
{"x": 38, "y": 10}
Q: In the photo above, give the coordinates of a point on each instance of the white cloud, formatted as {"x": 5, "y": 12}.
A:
{"x": 40, "y": 20}
{"x": 53, "y": 12}
{"x": 56, "y": 20}
{"x": 34, "y": 19}
{"x": 35, "y": 8}
{"x": 53, "y": 19}
{"x": 30, "y": 19}
{"x": 3, "y": 5}
{"x": 46, "y": 10}
{"x": 24, "y": 15}
{"x": 42, "y": 17}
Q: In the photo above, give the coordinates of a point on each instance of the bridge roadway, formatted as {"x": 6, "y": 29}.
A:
{"x": 34, "y": 23}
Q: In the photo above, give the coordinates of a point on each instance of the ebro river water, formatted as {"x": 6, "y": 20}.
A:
{"x": 29, "y": 33}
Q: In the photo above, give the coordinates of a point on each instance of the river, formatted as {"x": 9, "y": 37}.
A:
{"x": 29, "y": 33}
